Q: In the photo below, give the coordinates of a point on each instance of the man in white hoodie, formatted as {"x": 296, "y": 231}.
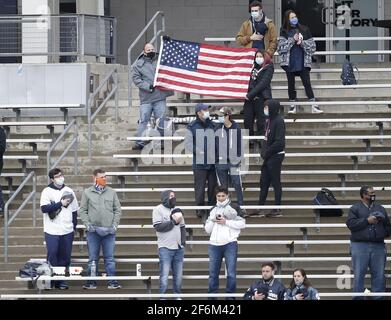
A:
{"x": 224, "y": 227}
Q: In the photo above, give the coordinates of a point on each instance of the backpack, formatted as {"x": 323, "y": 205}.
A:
{"x": 347, "y": 74}
{"x": 326, "y": 197}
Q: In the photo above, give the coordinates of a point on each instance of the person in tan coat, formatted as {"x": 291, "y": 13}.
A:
{"x": 258, "y": 31}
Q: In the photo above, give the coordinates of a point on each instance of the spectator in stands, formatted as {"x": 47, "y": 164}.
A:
{"x": 199, "y": 138}
{"x": 301, "y": 288}
{"x": 296, "y": 48}
{"x": 100, "y": 211}
{"x": 3, "y": 146}
{"x": 170, "y": 229}
{"x": 259, "y": 91}
{"x": 223, "y": 225}
{"x": 151, "y": 99}
{"x": 369, "y": 224}
{"x": 59, "y": 206}
{"x": 273, "y": 155}
{"x": 229, "y": 154}
{"x": 258, "y": 31}
{"x": 268, "y": 288}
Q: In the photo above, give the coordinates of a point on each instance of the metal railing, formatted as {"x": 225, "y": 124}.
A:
{"x": 8, "y": 220}
{"x": 156, "y": 34}
{"x": 111, "y": 90}
{"x": 64, "y": 38}
{"x": 72, "y": 143}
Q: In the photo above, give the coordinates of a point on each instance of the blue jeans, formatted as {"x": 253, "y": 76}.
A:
{"x": 231, "y": 175}
{"x": 158, "y": 108}
{"x": 216, "y": 254}
{"x": 372, "y": 255}
{"x": 171, "y": 258}
{"x": 94, "y": 243}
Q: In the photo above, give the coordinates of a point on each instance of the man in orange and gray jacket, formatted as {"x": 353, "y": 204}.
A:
{"x": 258, "y": 31}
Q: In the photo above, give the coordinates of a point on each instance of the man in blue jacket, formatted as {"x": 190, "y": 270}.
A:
{"x": 369, "y": 225}
{"x": 200, "y": 141}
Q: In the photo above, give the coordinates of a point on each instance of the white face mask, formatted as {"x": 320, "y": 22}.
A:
{"x": 221, "y": 119}
{"x": 255, "y": 14}
{"x": 259, "y": 60}
{"x": 266, "y": 112}
{"x": 59, "y": 181}
{"x": 206, "y": 115}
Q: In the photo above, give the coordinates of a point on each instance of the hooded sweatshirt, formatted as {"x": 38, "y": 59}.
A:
{"x": 228, "y": 146}
{"x": 169, "y": 235}
{"x": 274, "y": 142}
{"x": 222, "y": 234}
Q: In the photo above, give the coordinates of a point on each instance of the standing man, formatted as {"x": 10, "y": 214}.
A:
{"x": 229, "y": 154}
{"x": 258, "y": 31}
{"x": 200, "y": 141}
{"x": 369, "y": 224}
{"x": 59, "y": 206}
{"x": 151, "y": 99}
{"x": 3, "y": 146}
{"x": 224, "y": 226}
{"x": 170, "y": 229}
{"x": 100, "y": 211}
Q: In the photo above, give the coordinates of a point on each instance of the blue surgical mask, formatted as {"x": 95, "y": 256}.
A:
{"x": 259, "y": 61}
{"x": 294, "y": 21}
{"x": 206, "y": 115}
{"x": 266, "y": 112}
{"x": 221, "y": 119}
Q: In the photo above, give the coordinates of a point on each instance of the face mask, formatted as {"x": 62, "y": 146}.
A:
{"x": 259, "y": 61}
{"x": 101, "y": 182}
{"x": 221, "y": 119}
{"x": 150, "y": 55}
{"x": 266, "y": 112}
{"x": 255, "y": 14}
{"x": 294, "y": 21}
{"x": 59, "y": 181}
{"x": 172, "y": 203}
{"x": 372, "y": 198}
{"x": 206, "y": 115}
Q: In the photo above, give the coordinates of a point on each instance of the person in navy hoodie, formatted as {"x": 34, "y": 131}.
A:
{"x": 59, "y": 206}
{"x": 369, "y": 224}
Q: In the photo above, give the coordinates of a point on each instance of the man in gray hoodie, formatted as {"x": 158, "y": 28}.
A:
{"x": 170, "y": 229}
{"x": 151, "y": 99}
{"x": 100, "y": 211}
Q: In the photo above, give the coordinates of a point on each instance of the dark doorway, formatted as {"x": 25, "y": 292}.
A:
{"x": 10, "y": 40}
{"x": 309, "y": 13}
{"x": 68, "y": 29}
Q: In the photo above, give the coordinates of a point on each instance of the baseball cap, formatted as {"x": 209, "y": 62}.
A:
{"x": 201, "y": 106}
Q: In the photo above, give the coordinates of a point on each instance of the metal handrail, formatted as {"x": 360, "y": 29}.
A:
{"x": 73, "y": 144}
{"x": 156, "y": 34}
{"x": 7, "y": 220}
{"x": 112, "y": 75}
{"x": 222, "y": 39}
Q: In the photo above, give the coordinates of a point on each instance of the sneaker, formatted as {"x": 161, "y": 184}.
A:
{"x": 275, "y": 213}
{"x": 62, "y": 286}
{"x": 89, "y": 286}
{"x": 113, "y": 286}
{"x": 292, "y": 109}
{"x": 315, "y": 109}
{"x": 255, "y": 213}
{"x": 138, "y": 147}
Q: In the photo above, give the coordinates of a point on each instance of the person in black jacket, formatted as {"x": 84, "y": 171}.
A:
{"x": 268, "y": 288}
{"x": 259, "y": 90}
{"x": 273, "y": 155}
{"x": 229, "y": 153}
{"x": 296, "y": 48}
{"x": 200, "y": 141}
{"x": 3, "y": 145}
{"x": 369, "y": 224}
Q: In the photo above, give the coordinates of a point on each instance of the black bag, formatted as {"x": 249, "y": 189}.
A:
{"x": 347, "y": 75}
{"x": 326, "y": 197}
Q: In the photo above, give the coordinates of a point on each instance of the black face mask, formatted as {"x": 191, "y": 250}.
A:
{"x": 150, "y": 55}
{"x": 172, "y": 203}
{"x": 372, "y": 198}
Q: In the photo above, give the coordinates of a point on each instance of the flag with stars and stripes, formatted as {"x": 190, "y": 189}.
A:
{"x": 204, "y": 69}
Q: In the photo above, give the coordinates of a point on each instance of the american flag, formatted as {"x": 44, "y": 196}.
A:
{"x": 204, "y": 69}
